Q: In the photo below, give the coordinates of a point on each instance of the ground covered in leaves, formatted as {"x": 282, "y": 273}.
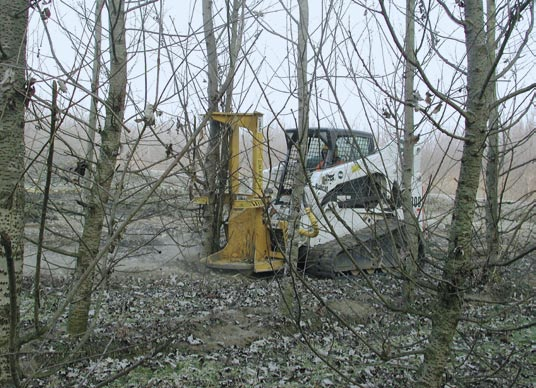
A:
{"x": 223, "y": 330}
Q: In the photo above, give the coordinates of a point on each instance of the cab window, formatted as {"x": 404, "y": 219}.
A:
{"x": 353, "y": 147}
{"x": 314, "y": 152}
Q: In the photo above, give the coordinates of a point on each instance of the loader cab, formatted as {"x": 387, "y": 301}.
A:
{"x": 326, "y": 147}
{"x": 331, "y": 145}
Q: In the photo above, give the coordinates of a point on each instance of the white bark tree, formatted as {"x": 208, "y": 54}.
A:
{"x": 15, "y": 93}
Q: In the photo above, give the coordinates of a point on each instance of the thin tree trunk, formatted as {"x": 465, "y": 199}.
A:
{"x": 410, "y": 222}
{"x": 447, "y": 307}
{"x": 235, "y": 43}
{"x": 93, "y": 120}
{"x": 13, "y": 96}
{"x": 44, "y": 206}
{"x": 289, "y": 302}
{"x": 100, "y": 190}
{"x": 303, "y": 128}
{"x": 492, "y": 166}
{"x": 212, "y": 164}
{"x": 235, "y": 40}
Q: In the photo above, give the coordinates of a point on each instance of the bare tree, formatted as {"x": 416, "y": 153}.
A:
{"x": 100, "y": 191}
{"x": 460, "y": 264}
{"x": 448, "y": 306}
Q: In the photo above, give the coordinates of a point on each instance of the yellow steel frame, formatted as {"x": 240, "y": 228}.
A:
{"x": 248, "y": 237}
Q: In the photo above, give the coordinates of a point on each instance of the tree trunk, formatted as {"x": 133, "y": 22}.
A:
{"x": 13, "y": 97}
{"x": 288, "y": 298}
{"x": 235, "y": 40}
{"x": 448, "y": 305}
{"x": 410, "y": 222}
{"x": 303, "y": 128}
{"x": 100, "y": 190}
{"x": 492, "y": 165}
{"x": 93, "y": 120}
{"x": 212, "y": 164}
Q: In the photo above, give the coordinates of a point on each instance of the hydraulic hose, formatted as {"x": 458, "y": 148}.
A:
{"x": 314, "y": 224}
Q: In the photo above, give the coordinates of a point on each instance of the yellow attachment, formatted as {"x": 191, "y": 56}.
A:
{"x": 314, "y": 224}
{"x": 249, "y": 245}
{"x": 251, "y": 122}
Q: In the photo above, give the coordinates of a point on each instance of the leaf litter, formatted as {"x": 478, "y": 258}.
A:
{"x": 210, "y": 329}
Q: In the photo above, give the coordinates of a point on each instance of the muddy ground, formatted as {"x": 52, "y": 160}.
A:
{"x": 161, "y": 319}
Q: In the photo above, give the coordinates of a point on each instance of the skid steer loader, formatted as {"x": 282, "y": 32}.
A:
{"x": 351, "y": 215}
